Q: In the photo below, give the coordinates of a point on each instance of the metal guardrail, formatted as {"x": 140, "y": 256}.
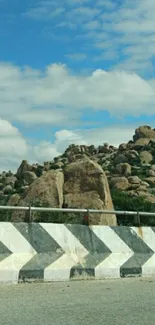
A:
{"x": 86, "y": 212}
{"x": 41, "y": 209}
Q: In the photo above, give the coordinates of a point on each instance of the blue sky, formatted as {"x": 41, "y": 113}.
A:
{"x": 73, "y": 71}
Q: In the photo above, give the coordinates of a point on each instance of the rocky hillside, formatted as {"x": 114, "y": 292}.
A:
{"x": 81, "y": 177}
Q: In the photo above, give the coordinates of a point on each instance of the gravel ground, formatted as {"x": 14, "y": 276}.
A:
{"x": 123, "y": 302}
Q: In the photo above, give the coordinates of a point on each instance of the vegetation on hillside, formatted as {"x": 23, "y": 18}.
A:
{"x": 122, "y": 202}
{"x": 54, "y": 217}
{"x": 129, "y": 168}
{"x": 125, "y": 202}
{"x": 5, "y": 215}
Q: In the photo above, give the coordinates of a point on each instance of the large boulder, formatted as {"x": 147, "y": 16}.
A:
{"x": 29, "y": 177}
{"x": 146, "y": 157}
{"x": 10, "y": 180}
{"x": 57, "y": 165}
{"x": 140, "y": 143}
{"x": 120, "y": 158}
{"x": 14, "y": 200}
{"x": 144, "y": 131}
{"x": 150, "y": 198}
{"x": 122, "y": 147}
{"x": 151, "y": 172}
{"x": 153, "y": 167}
{"x": 132, "y": 154}
{"x": 134, "y": 182}
{"x": 24, "y": 167}
{"x": 105, "y": 148}
{"x": 7, "y": 189}
{"x": 46, "y": 189}
{"x": 86, "y": 186}
{"x": 150, "y": 180}
{"x": 119, "y": 183}
{"x": 124, "y": 169}
{"x": 145, "y": 184}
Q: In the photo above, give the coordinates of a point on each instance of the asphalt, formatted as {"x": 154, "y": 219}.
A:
{"x": 123, "y": 302}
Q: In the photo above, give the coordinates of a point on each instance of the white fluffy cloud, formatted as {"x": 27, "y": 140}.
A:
{"x": 127, "y": 25}
{"x": 116, "y": 30}
{"x": 14, "y": 148}
{"x": 58, "y": 97}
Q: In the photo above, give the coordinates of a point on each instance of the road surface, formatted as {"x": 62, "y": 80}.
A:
{"x": 123, "y": 302}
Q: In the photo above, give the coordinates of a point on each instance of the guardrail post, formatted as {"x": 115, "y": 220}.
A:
{"x": 30, "y": 214}
{"x": 86, "y": 218}
{"x": 137, "y": 219}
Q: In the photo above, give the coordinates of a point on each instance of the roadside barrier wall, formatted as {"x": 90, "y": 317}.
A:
{"x": 58, "y": 252}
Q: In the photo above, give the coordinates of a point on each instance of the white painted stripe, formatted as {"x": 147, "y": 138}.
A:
{"x": 60, "y": 269}
{"x": 69, "y": 243}
{"x": 10, "y": 267}
{"x": 148, "y": 269}
{"x": 111, "y": 239}
{"x": 147, "y": 235}
{"x": 14, "y": 240}
{"x": 110, "y": 267}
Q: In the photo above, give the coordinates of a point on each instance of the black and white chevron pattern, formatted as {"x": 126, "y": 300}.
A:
{"x": 53, "y": 252}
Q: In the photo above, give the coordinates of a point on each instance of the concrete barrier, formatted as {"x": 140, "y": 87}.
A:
{"x": 57, "y": 252}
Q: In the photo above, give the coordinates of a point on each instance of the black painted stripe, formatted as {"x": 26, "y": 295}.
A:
{"x": 134, "y": 265}
{"x": 38, "y": 237}
{"x": 4, "y": 252}
{"x": 131, "y": 239}
{"x": 34, "y": 269}
{"x": 142, "y": 252}
{"x": 47, "y": 248}
{"x": 97, "y": 250}
{"x": 88, "y": 266}
{"x": 88, "y": 239}
{"x": 4, "y": 249}
{"x": 79, "y": 271}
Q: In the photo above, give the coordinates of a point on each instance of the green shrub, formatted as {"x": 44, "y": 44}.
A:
{"x": 141, "y": 173}
{"x": 54, "y": 217}
{"x": 5, "y": 215}
{"x": 125, "y": 202}
{"x": 39, "y": 172}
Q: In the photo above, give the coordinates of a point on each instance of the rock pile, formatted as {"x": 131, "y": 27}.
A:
{"x": 81, "y": 176}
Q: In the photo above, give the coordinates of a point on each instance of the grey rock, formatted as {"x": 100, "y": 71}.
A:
{"x": 151, "y": 172}
{"x": 24, "y": 166}
{"x": 10, "y": 180}
{"x": 144, "y": 131}
{"x": 119, "y": 183}
{"x": 124, "y": 169}
{"x": 120, "y": 158}
{"x": 29, "y": 177}
{"x": 146, "y": 157}
{"x": 7, "y": 189}
{"x": 153, "y": 167}
{"x": 122, "y": 147}
{"x": 141, "y": 143}
{"x": 134, "y": 180}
